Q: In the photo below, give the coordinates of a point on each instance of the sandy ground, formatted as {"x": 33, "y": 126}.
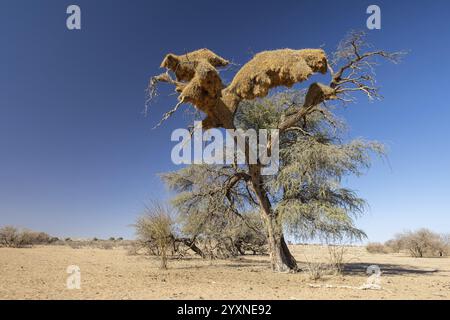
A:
{"x": 40, "y": 273}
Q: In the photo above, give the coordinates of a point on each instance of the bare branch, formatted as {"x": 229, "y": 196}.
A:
{"x": 355, "y": 72}
{"x": 169, "y": 113}
{"x": 152, "y": 87}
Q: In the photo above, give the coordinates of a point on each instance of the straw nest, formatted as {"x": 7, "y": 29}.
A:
{"x": 270, "y": 69}
{"x": 199, "y": 83}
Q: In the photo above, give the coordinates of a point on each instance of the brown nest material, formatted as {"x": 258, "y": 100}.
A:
{"x": 270, "y": 69}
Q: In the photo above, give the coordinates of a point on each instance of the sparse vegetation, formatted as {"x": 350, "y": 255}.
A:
{"x": 418, "y": 244}
{"x": 376, "y": 247}
{"x": 424, "y": 243}
{"x": 326, "y": 260}
{"x": 19, "y": 238}
{"x": 337, "y": 257}
{"x": 396, "y": 244}
{"x": 15, "y": 238}
{"x": 95, "y": 243}
{"x": 156, "y": 229}
{"x": 316, "y": 269}
{"x": 121, "y": 275}
{"x": 8, "y": 236}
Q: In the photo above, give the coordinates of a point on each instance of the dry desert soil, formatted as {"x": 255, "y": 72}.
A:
{"x": 41, "y": 273}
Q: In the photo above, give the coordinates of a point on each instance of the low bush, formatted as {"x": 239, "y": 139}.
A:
{"x": 376, "y": 247}
{"x": 155, "y": 230}
{"x": 15, "y": 238}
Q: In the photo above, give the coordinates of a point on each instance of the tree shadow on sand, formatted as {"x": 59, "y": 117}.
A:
{"x": 351, "y": 268}
{"x": 386, "y": 269}
{"x": 240, "y": 262}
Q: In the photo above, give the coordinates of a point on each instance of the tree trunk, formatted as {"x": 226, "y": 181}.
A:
{"x": 191, "y": 244}
{"x": 281, "y": 258}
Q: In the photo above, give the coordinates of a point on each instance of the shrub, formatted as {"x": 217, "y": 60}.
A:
{"x": 396, "y": 244}
{"x": 13, "y": 237}
{"x": 8, "y": 236}
{"x": 316, "y": 270}
{"x": 74, "y": 244}
{"x": 315, "y": 265}
{"x": 376, "y": 247}
{"x": 336, "y": 257}
{"x": 132, "y": 248}
{"x": 107, "y": 245}
{"x": 34, "y": 238}
{"x": 155, "y": 229}
{"x": 54, "y": 240}
{"x": 26, "y": 238}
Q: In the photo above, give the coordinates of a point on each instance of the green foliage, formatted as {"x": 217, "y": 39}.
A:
{"x": 306, "y": 194}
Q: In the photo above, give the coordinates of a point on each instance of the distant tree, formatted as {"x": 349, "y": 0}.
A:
{"x": 446, "y": 239}
{"x": 41, "y": 238}
{"x": 423, "y": 243}
{"x": 9, "y": 236}
{"x": 13, "y": 237}
{"x": 29, "y": 237}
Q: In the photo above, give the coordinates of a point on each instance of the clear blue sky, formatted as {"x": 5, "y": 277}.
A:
{"x": 78, "y": 157}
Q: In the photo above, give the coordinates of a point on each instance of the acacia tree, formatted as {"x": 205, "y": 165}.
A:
{"x": 351, "y": 71}
{"x": 421, "y": 243}
{"x": 306, "y": 194}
